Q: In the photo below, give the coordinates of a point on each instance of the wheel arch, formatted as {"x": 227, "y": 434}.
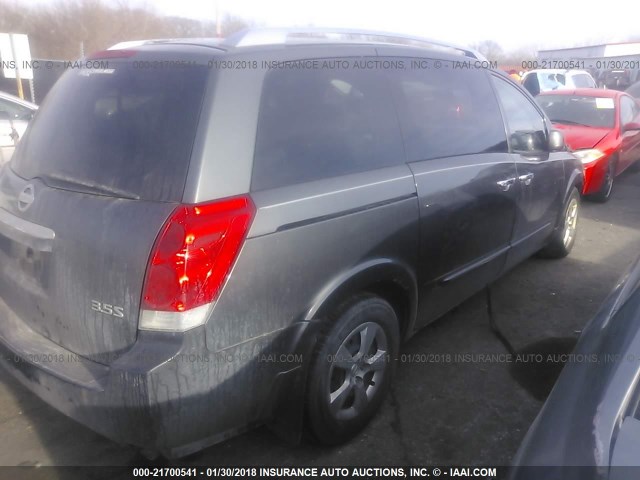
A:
{"x": 388, "y": 278}
{"x": 576, "y": 180}
{"x": 391, "y": 279}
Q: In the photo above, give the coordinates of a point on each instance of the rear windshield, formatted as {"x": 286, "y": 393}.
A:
{"x": 579, "y": 110}
{"x": 120, "y": 131}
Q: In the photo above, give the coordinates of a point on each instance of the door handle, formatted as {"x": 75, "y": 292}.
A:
{"x": 505, "y": 185}
{"x": 526, "y": 179}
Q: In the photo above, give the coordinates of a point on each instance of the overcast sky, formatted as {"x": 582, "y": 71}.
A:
{"x": 512, "y": 24}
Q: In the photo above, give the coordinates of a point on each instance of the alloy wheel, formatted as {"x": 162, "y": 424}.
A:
{"x": 570, "y": 223}
{"x": 357, "y": 370}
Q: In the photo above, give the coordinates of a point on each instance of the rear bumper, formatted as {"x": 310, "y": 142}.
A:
{"x": 168, "y": 393}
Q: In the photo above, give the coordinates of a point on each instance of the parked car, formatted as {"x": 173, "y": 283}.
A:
{"x": 15, "y": 115}
{"x": 545, "y": 80}
{"x": 603, "y": 127}
{"x": 616, "y": 79}
{"x": 203, "y": 248}
{"x": 634, "y": 90}
{"x": 591, "y": 420}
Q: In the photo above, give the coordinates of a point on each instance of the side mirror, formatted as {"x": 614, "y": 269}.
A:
{"x": 556, "y": 141}
{"x": 631, "y": 126}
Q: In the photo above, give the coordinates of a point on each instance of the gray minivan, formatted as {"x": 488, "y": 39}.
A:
{"x": 197, "y": 236}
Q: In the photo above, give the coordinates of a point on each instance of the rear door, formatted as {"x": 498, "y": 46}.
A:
{"x": 457, "y": 149}
{"x": 100, "y": 169}
{"x": 539, "y": 185}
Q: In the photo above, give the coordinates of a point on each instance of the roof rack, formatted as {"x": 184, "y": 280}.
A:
{"x": 278, "y": 36}
{"x": 151, "y": 41}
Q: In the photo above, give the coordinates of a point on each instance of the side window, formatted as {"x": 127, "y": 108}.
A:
{"x": 550, "y": 81}
{"x": 322, "y": 123}
{"x": 628, "y": 110}
{"x": 447, "y": 112}
{"x": 527, "y": 131}
{"x": 15, "y": 111}
{"x": 582, "y": 80}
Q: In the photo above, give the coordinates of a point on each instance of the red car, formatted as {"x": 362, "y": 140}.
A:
{"x": 603, "y": 129}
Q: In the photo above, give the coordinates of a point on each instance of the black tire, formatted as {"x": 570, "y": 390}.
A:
{"x": 604, "y": 194}
{"x": 340, "y": 366}
{"x": 564, "y": 237}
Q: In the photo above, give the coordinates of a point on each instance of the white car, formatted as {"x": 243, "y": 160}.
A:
{"x": 537, "y": 81}
{"x": 15, "y": 115}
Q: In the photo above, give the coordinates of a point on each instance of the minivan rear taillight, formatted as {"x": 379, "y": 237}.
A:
{"x": 190, "y": 262}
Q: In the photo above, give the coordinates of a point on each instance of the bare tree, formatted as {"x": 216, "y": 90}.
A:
{"x": 520, "y": 56}
{"x": 64, "y": 29}
{"x": 490, "y": 49}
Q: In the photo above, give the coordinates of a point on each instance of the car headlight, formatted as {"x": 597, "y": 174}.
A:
{"x": 588, "y": 156}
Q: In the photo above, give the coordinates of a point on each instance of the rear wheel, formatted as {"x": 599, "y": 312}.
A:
{"x": 604, "y": 194}
{"x": 352, "y": 369}
{"x": 564, "y": 237}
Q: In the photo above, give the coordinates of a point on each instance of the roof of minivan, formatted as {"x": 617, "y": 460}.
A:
{"x": 264, "y": 39}
{"x": 189, "y": 50}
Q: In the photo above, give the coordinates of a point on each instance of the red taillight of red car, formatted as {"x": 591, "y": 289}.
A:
{"x": 194, "y": 253}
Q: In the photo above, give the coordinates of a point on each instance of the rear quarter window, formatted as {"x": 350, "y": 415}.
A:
{"x": 124, "y": 131}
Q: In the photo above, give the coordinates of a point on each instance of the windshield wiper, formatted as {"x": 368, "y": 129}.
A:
{"x": 569, "y": 122}
{"x": 74, "y": 184}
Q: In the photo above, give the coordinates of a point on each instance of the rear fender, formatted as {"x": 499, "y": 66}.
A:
{"x": 367, "y": 276}
{"x": 286, "y": 406}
